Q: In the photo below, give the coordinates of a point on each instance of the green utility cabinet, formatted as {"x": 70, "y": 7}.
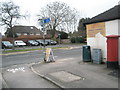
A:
{"x": 86, "y": 53}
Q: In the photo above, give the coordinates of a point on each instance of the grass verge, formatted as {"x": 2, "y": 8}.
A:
{"x": 32, "y": 49}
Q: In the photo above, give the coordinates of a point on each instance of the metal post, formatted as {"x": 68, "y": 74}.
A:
{"x": 44, "y": 42}
{"x": 42, "y": 23}
{"x": 59, "y": 39}
{"x": 13, "y": 38}
{"x": 40, "y": 43}
{"x": 44, "y": 35}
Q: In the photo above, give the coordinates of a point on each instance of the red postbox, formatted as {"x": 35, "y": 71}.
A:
{"x": 112, "y": 51}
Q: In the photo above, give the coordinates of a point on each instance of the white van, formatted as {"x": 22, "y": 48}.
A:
{"x": 19, "y": 43}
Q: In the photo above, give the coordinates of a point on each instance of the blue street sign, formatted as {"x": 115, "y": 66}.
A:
{"x": 47, "y": 20}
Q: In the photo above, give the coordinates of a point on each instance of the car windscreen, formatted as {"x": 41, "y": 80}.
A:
{"x": 31, "y": 41}
{"x": 19, "y": 41}
{"x": 48, "y": 40}
{"x": 39, "y": 40}
{"x": 6, "y": 42}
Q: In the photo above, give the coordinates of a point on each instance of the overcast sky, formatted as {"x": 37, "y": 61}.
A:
{"x": 87, "y": 8}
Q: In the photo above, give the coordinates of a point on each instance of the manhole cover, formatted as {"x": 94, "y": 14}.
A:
{"x": 65, "y": 76}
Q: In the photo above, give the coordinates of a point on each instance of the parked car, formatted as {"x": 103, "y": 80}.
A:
{"x": 51, "y": 42}
{"x": 19, "y": 43}
{"x": 48, "y": 41}
{"x": 32, "y": 43}
{"x": 6, "y": 44}
{"x": 42, "y": 43}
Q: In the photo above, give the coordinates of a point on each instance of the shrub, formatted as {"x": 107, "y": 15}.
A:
{"x": 72, "y": 40}
{"x": 77, "y": 40}
{"x": 63, "y": 35}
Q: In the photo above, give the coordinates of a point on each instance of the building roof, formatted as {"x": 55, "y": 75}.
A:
{"x": 26, "y": 29}
{"x": 111, "y": 14}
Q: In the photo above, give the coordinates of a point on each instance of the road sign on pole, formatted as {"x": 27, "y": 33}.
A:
{"x": 42, "y": 23}
{"x": 47, "y": 20}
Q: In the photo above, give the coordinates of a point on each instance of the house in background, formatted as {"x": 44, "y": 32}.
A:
{"x": 102, "y": 25}
{"x": 26, "y": 33}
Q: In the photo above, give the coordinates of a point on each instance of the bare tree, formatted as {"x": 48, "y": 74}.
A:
{"x": 60, "y": 14}
{"x": 9, "y": 13}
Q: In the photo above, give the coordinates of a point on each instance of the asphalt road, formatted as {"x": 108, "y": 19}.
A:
{"x": 16, "y": 71}
{"x": 37, "y": 56}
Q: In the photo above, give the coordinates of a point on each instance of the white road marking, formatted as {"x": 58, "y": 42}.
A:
{"x": 16, "y": 69}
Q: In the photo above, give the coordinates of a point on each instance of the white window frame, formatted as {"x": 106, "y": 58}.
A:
{"x": 37, "y": 33}
{"x": 31, "y": 33}
{"x": 19, "y": 34}
{"x": 31, "y": 27}
{"x": 25, "y": 33}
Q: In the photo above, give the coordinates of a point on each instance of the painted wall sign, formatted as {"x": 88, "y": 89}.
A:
{"x": 93, "y": 29}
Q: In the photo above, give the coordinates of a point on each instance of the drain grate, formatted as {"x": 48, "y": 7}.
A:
{"x": 65, "y": 76}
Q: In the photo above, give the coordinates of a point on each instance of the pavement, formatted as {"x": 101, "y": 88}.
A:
{"x": 70, "y": 73}
{"x": 3, "y": 84}
{"x": 21, "y": 76}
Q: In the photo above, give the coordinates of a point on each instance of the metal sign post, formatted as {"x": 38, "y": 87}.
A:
{"x": 42, "y": 23}
{"x": 59, "y": 38}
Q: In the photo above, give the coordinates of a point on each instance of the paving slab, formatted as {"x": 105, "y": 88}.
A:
{"x": 65, "y": 76}
{"x": 93, "y": 75}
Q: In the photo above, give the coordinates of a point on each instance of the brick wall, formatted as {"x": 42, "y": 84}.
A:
{"x": 25, "y": 38}
{"x": 65, "y": 41}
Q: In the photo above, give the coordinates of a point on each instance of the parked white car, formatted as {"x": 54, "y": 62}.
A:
{"x": 19, "y": 43}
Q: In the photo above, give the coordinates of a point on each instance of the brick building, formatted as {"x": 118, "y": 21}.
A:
{"x": 26, "y": 33}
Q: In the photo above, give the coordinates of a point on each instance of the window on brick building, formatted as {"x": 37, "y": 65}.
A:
{"x": 38, "y": 34}
{"x": 31, "y": 27}
{"x": 31, "y": 34}
{"x": 25, "y": 33}
{"x": 18, "y": 34}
